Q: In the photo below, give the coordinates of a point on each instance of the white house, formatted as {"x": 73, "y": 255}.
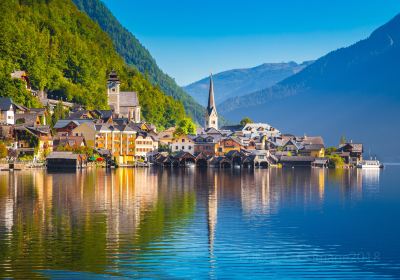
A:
{"x": 7, "y": 109}
{"x": 182, "y": 143}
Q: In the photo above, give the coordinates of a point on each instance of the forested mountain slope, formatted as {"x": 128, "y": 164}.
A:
{"x": 69, "y": 55}
{"x": 134, "y": 53}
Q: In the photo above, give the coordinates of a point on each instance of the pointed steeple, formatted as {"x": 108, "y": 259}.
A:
{"x": 211, "y": 101}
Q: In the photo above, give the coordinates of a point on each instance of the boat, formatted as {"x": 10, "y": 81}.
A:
{"x": 370, "y": 164}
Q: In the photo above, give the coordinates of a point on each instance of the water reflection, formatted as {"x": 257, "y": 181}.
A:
{"x": 189, "y": 223}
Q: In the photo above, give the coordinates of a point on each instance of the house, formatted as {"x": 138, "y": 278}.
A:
{"x": 119, "y": 140}
{"x": 7, "y": 110}
{"x": 292, "y": 146}
{"x": 296, "y": 161}
{"x": 69, "y": 141}
{"x": 206, "y": 144}
{"x": 124, "y": 104}
{"x": 145, "y": 144}
{"x": 351, "y": 152}
{"x": 251, "y": 130}
{"x": 312, "y": 146}
{"x": 28, "y": 139}
{"x": 66, "y": 127}
{"x": 167, "y": 136}
{"x": 65, "y": 160}
{"x": 182, "y": 143}
{"x": 228, "y": 144}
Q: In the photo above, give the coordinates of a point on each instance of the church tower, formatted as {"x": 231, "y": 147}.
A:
{"x": 211, "y": 114}
{"x": 113, "y": 84}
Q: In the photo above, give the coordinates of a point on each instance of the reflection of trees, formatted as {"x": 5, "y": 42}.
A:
{"x": 84, "y": 221}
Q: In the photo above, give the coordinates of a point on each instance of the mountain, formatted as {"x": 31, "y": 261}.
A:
{"x": 238, "y": 82}
{"x": 135, "y": 54}
{"x": 69, "y": 55}
{"x": 353, "y": 91}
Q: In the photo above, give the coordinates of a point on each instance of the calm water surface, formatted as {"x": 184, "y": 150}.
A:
{"x": 150, "y": 223}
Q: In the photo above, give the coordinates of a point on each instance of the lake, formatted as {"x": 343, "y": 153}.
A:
{"x": 200, "y": 223}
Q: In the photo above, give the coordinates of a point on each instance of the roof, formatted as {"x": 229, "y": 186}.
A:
{"x": 69, "y": 140}
{"x": 62, "y": 155}
{"x": 5, "y": 103}
{"x": 296, "y": 158}
{"x": 313, "y": 147}
{"x": 113, "y": 77}
{"x": 310, "y": 140}
{"x": 211, "y": 102}
{"x": 104, "y": 114}
{"x": 78, "y": 114}
{"x": 355, "y": 147}
{"x": 128, "y": 99}
{"x": 29, "y": 118}
{"x": 232, "y": 128}
{"x": 64, "y": 123}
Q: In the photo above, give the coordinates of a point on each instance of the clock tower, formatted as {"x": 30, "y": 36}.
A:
{"x": 113, "y": 84}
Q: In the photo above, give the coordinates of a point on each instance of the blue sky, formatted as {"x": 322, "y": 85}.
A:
{"x": 189, "y": 39}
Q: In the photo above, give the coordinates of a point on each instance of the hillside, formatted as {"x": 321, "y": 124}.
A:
{"x": 135, "y": 54}
{"x": 352, "y": 91}
{"x": 68, "y": 55}
{"x": 238, "y": 82}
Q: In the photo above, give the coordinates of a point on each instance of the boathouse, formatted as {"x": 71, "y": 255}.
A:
{"x": 65, "y": 160}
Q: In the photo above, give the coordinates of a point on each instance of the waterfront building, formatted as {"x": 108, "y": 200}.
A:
{"x": 251, "y": 130}
{"x": 145, "y": 144}
{"x": 119, "y": 140}
{"x": 229, "y": 144}
{"x": 182, "y": 143}
{"x": 211, "y": 119}
{"x": 123, "y": 103}
{"x": 351, "y": 152}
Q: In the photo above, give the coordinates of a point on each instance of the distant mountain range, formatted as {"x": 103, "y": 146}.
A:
{"x": 353, "y": 91}
{"x": 238, "y": 82}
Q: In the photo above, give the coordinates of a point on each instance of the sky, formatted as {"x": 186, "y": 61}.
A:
{"x": 191, "y": 38}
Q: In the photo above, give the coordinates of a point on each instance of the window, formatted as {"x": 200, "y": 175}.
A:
{"x": 183, "y": 140}
{"x": 220, "y": 150}
{"x": 190, "y": 147}
{"x": 176, "y": 147}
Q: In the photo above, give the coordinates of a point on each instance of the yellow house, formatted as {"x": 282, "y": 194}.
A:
{"x": 119, "y": 139}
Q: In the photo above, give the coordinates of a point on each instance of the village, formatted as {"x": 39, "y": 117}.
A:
{"x": 119, "y": 137}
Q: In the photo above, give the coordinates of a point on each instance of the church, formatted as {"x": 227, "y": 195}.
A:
{"x": 125, "y": 104}
{"x": 211, "y": 112}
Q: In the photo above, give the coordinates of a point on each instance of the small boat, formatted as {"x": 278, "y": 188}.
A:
{"x": 370, "y": 164}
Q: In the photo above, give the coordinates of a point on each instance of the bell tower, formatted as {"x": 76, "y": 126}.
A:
{"x": 113, "y": 85}
{"x": 211, "y": 113}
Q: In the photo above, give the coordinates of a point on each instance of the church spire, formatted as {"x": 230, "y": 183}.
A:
{"x": 211, "y": 114}
{"x": 211, "y": 101}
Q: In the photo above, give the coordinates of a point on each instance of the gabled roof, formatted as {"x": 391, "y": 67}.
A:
{"x": 233, "y": 128}
{"x": 293, "y": 142}
{"x": 354, "y": 147}
{"x": 5, "y": 103}
{"x": 64, "y": 123}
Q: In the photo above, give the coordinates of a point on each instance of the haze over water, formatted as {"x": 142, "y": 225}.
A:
{"x": 159, "y": 223}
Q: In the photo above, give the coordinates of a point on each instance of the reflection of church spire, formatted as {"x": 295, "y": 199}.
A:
{"x": 212, "y": 212}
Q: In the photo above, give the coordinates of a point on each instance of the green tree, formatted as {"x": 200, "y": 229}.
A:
{"x": 342, "y": 140}
{"x": 245, "y": 121}
{"x": 3, "y": 150}
{"x": 185, "y": 127}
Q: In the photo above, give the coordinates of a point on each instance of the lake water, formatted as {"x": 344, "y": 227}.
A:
{"x": 191, "y": 224}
